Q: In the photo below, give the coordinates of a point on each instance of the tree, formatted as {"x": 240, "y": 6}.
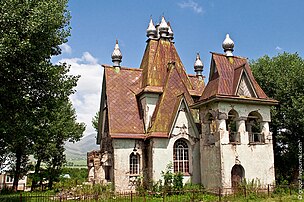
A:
{"x": 31, "y": 86}
{"x": 95, "y": 121}
{"x": 282, "y": 78}
{"x": 58, "y": 127}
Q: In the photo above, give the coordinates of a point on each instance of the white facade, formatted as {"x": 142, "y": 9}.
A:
{"x": 159, "y": 152}
{"x": 7, "y": 179}
{"x": 218, "y": 157}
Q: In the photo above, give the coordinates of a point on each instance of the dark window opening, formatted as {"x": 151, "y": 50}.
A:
{"x": 107, "y": 173}
{"x": 253, "y": 127}
{"x": 134, "y": 164}
{"x": 232, "y": 127}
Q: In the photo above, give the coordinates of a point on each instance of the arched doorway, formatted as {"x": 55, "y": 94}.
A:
{"x": 237, "y": 175}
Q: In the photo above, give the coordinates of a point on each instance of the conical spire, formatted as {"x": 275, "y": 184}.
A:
{"x": 170, "y": 32}
{"x": 163, "y": 28}
{"x": 151, "y": 30}
{"x": 198, "y": 66}
{"x": 116, "y": 55}
{"x": 228, "y": 45}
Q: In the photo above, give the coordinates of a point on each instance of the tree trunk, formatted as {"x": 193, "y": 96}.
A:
{"x": 17, "y": 171}
{"x": 51, "y": 180}
{"x": 37, "y": 170}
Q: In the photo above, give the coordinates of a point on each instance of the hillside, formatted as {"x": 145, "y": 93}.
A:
{"x": 78, "y": 151}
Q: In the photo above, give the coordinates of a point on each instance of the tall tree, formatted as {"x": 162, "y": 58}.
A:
{"x": 31, "y": 86}
{"x": 95, "y": 121}
{"x": 282, "y": 78}
{"x": 58, "y": 126}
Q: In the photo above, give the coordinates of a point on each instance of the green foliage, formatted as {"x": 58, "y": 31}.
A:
{"x": 168, "y": 178}
{"x": 36, "y": 116}
{"x": 95, "y": 121}
{"x": 178, "y": 181}
{"x": 78, "y": 174}
{"x": 282, "y": 78}
{"x": 193, "y": 187}
{"x": 172, "y": 181}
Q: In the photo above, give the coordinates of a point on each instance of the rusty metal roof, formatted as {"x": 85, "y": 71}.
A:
{"x": 155, "y": 61}
{"x": 166, "y": 110}
{"x": 227, "y": 72}
{"x": 123, "y": 111}
{"x": 161, "y": 71}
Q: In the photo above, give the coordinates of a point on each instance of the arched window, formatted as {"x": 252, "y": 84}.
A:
{"x": 237, "y": 175}
{"x": 211, "y": 128}
{"x": 232, "y": 126}
{"x": 181, "y": 156}
{"x": 253, "y": 127}
{"x": 134, "y": 164}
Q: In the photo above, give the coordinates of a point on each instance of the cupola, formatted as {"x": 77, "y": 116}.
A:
{"x": 228, "y": 46}
{"x": 116, "y": 56}
{"x": 151, "y": 30}
{"x": 170, "y": 32}
{"x": 198, "y": 66}
{"x": 163, "y": 28}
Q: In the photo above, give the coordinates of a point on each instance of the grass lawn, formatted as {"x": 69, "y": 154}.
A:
{"x": 157, "y": 197}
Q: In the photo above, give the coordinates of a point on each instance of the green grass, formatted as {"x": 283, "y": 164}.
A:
{"x": 186, "y": 197}
{"x": 77, "y": 163}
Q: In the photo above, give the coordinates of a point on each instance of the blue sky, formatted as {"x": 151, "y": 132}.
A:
{"x": 257, "y": 28}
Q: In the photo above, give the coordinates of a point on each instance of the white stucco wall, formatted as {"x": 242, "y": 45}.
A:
{"x": 122, "y": 150}
{"x": 148, "y": 103}
{"x": 256, "y": 159}
{"x": 244, "y": 109}
{"x": 163, "y": 148}
{"x": 210, "y": 166}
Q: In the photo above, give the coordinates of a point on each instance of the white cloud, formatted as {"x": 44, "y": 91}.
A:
{"x": 191, "y": 5}
{"x": 89, "y": 58}
{"x": 278, "y": 48}
{"x": 66, "y": 48}
{"x": 86, "y": 100}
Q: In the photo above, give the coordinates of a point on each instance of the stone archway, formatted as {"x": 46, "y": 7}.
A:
{"x": 237, "y": 175}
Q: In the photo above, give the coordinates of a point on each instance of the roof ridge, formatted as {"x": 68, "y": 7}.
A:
{"x": 160, "y": 100}
{"x": 234, "y": 56}
{"x": 122, "y": 68}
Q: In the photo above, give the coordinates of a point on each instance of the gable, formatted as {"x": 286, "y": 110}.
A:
{"x": 231, "y": 77}
{"x": 245, "y": 87}
{"x": 183, "y": 123}
{"x": 169, "y": 102}
{"x": 123, "y": 111}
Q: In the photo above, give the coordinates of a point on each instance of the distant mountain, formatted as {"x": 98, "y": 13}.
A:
{"x": 78, "y": 150}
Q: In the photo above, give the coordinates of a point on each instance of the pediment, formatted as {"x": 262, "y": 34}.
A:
{"x": 184, "y": 123}
{"x": 245, "y": 87}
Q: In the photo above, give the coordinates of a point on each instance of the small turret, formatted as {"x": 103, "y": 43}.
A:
{"x": 170, "y": 32}
{"x": 198, "y": 67}
{"x": 163, "y": 28}
{"x": 151, "y": 30}
{"x": 228, "y": 46}
{"x": 116, "y": 56}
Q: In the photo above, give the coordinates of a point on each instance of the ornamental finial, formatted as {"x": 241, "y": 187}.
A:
{"x": 116, "y": 55}
{"x": 163, "y": 28}
{"x": 198, "y": 66}
{"x": 151, "y": 30}
{"x": 228, "y": 45}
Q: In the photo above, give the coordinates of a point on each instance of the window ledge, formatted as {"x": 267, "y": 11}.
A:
{"x": 256, "y": 143}
{"x": 134, "y": 175}
{"x": 238, "y": 143}
{"x": 186, "y": 174}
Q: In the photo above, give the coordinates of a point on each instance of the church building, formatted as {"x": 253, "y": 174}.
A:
{"x": 158, "y": 115}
